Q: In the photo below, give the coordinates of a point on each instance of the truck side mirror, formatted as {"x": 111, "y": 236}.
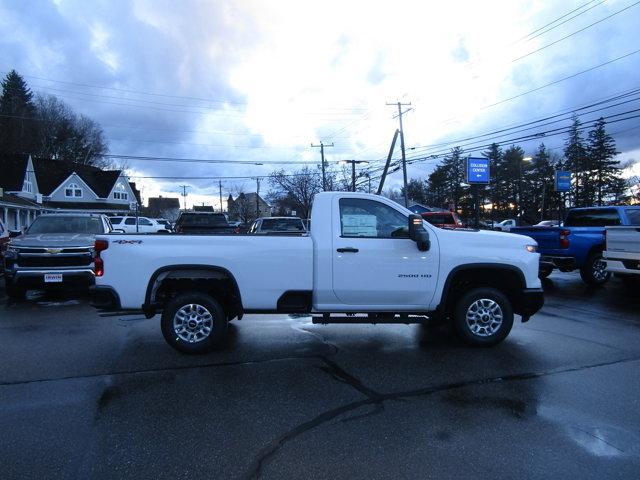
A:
{"x": 14, "y": 233}
{"x": 417, "y": 232}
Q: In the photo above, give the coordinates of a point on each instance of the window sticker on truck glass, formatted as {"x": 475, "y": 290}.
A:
{"x": 359, "y": 225}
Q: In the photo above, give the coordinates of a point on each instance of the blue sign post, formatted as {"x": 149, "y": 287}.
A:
{"x": 563, "y": 181}
{"x": 478, "y": 173}
{"x": 478, "y": 170}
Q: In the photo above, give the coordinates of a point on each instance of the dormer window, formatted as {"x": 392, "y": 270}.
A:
{"x": 73, "y": 190}
{"x": 120, "y": 194}
{"x": 27, "y": 186}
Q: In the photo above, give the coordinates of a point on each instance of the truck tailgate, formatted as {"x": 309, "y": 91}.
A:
{"x": 623, "y": 239}
{"x": 548, "y": 238}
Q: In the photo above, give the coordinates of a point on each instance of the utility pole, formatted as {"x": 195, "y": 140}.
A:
{"x": 353, "y": 172}
{"x": 257, "y": 197}
{"x": 324, "y": 177}
{"x": 220, "y": 189}
{"x": 404, "y": 158}
{"x": 184, "y": 195}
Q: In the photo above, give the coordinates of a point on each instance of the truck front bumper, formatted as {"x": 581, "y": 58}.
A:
{"x": 34, "y": 278}
{"x": 531, "y": 300}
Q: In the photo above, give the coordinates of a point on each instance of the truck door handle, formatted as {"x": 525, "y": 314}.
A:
{"x": 347, "y": 250}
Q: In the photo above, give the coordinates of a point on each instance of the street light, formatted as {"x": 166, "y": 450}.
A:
{"x": 353, "y": 171}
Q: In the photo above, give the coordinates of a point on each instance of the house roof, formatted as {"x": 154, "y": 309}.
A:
{"x": 136, "y": 192}
{"x": 13, "y": 167}
{"x": 51, "y": 173}
{"x": 16, "y": 200}
{"x": 162, "y": 203}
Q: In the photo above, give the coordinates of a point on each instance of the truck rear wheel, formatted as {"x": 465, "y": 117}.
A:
{"x": 594, "y": 271}
{"x": 194, "y": 323}
{"x": 483, "y": 317}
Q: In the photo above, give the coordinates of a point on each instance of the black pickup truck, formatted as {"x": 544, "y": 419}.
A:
{"x": 204, "y": 223}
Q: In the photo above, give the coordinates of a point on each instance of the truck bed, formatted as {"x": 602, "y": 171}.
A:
{"x": 274, "y": 264}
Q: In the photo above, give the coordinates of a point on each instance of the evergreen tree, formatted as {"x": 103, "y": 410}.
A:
{"x": 601, "y": 149}
{"x": 539, "y": 184}
{"x": 17, "y": 115}
{"x": 577, "y": 161}
{"x": 453, "y": 166}
{"x": 437, "y": 188}
{"x": 514, "y": 176}
{"x": 496, "y": 185}
{"x": 416, "y": 191}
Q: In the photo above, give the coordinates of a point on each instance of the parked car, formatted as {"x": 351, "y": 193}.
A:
{"x": 165, "y": 223}
{"x": 622, "y": 253}
{"x": 365, "y": 254}
{"x": 4, "y": 239}
{"x": 579, "y": 243}
{"x": 277, "y": 225}
{"x": 547, "y": 223}
{"x": 204, "y": 223}
{"x": 443, "y": 219}
{"x": 505, "y": 225}
{"x": 144, "y": 225}
{"x": 57, "y": 249}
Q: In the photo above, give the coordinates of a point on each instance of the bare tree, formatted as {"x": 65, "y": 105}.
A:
{"x": 296, "y": 190}
{"x": 63, "y": 135}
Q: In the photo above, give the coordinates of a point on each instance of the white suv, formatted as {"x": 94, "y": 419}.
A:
{"x": 145, "y": 225}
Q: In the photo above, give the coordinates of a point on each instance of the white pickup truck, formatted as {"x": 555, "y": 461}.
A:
{"x": 622, "y": 253}
{"x": 364, "y": 254}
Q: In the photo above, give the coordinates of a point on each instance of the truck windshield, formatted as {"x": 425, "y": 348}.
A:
{"x": 66, "y": 224}
{"x": 440, "y": 218}
{"x": 282, "y": 225}
{"x": 593, "y": 217}
{"x": 202, "y": 220}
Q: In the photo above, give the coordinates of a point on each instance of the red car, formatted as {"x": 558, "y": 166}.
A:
{"x": 443, "y": 219}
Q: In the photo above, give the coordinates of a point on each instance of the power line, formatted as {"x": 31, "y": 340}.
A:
{"x": 557, "y": 19}
{"x": 536, "y": 122}
{"x": 574, "y": 33}
{"x": 561, "y": 80}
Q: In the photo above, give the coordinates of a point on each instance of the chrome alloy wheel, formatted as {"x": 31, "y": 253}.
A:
{"x": 193, "y": 323}
{"x": 484, "y": 317}
{"x": 599, "y": 270}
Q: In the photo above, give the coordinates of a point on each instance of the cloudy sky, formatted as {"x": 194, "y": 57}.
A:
{"x": 259, "y": 81}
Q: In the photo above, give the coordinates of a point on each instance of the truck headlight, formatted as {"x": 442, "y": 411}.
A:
{"x": 531, "y": 248}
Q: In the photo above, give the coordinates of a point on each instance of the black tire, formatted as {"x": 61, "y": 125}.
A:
{"x": 544, "y": 272}
{"x": 195, "y": 323}
{"x": 14, "y": 293}
{"x": 480, "y": 334}
{"x": 592, "y": 272}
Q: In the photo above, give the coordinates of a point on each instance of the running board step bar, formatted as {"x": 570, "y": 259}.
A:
{"x": 327, "y": 318}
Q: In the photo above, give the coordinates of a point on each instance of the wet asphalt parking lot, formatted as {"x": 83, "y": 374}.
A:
{"x": 90, "y": 396}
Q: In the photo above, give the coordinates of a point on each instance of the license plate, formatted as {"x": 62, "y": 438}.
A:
{"x": 52, "y": 277}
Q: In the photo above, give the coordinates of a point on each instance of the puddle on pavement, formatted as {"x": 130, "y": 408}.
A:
{"x": 597, "y": 439}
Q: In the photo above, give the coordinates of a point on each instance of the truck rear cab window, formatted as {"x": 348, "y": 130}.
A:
{"x": 633, "y": 214}
{"x": 362, "y": 218}
{"x": 593, "y": 217}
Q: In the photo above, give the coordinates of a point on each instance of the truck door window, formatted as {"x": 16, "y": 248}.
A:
{"x": 364, "y": 218}
{"x": 130, "y": 221}
{"x": 144, "y": 221}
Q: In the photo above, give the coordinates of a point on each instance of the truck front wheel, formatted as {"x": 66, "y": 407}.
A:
{"x": 483, "y": 317}
{"x": 194, "y": 323}
{"x": 594, "y": 271}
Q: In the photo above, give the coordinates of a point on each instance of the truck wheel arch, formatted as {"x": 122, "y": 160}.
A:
{"x": 192, "y": 272}
{"x": 510, "y": 282}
